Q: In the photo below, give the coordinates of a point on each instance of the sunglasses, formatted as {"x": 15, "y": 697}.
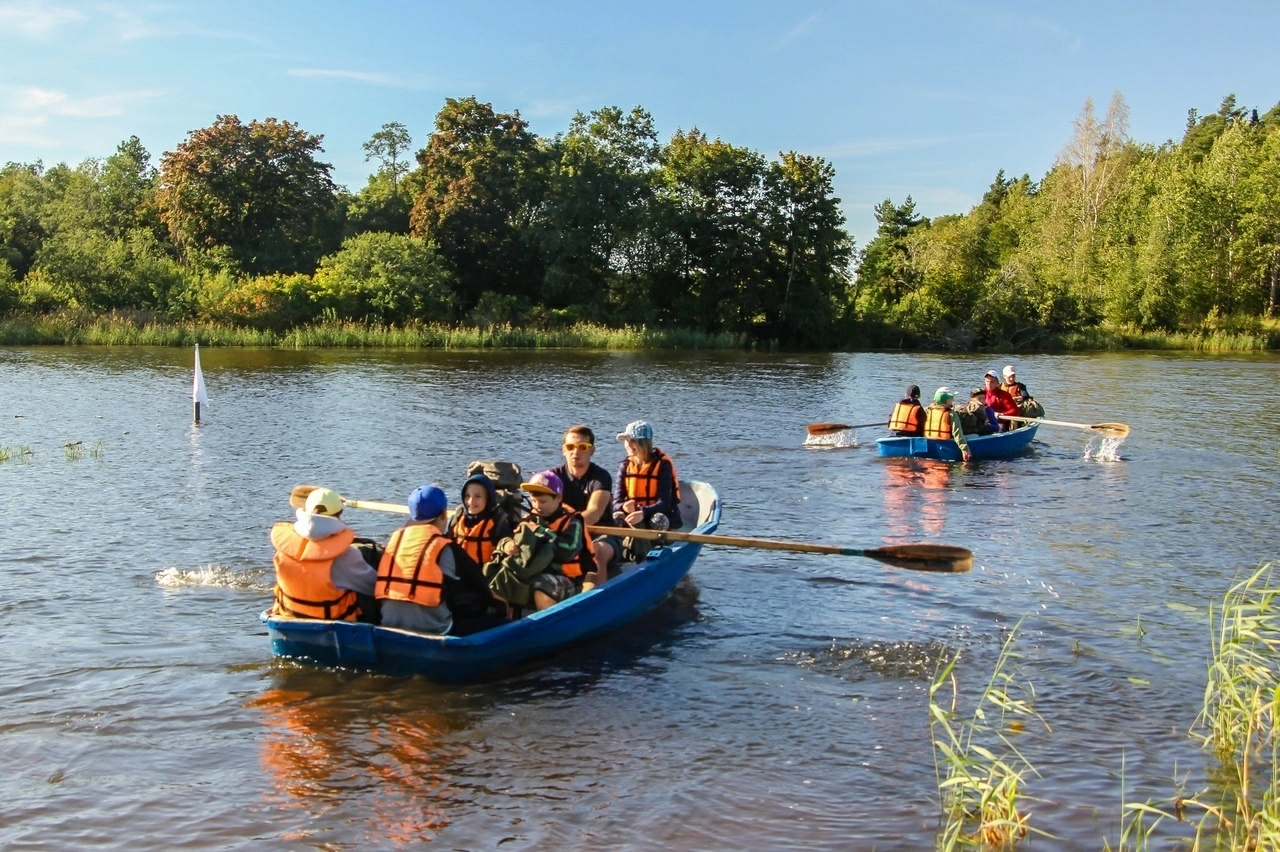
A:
{"x": 581, "y": 447}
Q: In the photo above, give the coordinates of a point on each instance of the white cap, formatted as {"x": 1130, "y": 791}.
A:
{"x": 1008, "y": 370}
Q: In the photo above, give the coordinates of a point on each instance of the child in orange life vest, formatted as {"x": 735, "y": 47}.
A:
{"x": 477, "y": 526}
{"x": 907, "y": 418}
{"x": 318, "y": 573}
{"x": 571, "y": 555}
{"x": 423, "y": 583}
{"x": 646, "y": 492}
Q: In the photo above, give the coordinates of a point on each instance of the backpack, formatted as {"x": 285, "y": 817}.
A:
{"x": 506, "y": 478}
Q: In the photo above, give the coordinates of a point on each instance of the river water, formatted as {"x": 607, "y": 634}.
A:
{"x": 777, "y": 701}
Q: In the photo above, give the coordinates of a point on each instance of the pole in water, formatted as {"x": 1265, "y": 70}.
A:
{"x": 198, "y": 394}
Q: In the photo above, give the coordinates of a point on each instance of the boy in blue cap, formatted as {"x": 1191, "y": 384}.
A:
{"x": 422, "y": 584}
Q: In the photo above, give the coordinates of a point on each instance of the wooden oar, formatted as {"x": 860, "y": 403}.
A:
{"x": 1111, "y": 430}
{"x": 298, "y": 499}
{"x": 829, "y": 428}
{"x": 943, "y": 558}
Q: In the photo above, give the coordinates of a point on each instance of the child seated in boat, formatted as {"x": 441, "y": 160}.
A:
{"x": 548, "y": 556}
{"x": 477, "y": 525}
{"x": 424, "y": 583}
{"x": 319, "y": 574}
{"x": 646, "y": 495}
{"x": 976, "y": 417}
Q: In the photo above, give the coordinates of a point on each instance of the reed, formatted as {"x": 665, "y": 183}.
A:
{"x": 1240, "y": 807}
{"x": 147, "y": 330}
{"x": 980, "y": 771}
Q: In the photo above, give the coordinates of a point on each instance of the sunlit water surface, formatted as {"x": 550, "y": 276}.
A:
{"x": 777, "y": 701}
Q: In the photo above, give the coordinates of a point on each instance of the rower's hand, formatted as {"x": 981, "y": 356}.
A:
{"x": 635, "y": 519}
{"x": 968, "y": 456}
{"x": 629, "y": 507}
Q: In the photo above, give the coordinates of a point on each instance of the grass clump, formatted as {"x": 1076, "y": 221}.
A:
{"x": 1240, "y": 807}
{"x": 980, "y": 771}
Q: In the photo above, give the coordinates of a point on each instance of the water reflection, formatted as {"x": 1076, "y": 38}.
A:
{"x": 915, "y": 500}
{"x": 331, "y": 738}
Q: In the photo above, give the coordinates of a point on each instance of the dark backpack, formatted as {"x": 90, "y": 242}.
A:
{"x": 506, "y": 478}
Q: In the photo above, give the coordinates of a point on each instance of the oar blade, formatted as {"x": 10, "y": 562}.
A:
{"x": 1112, "y": 430}
{"x": 298, "y": 496}
{"x": 827, "y": 428}
{"x": 939, "y": 558}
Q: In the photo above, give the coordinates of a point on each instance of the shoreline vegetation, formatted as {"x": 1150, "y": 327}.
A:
{"x": 603, "y": 236}
{"x": 78, "y": 329}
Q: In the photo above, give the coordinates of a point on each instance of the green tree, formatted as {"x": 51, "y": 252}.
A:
{"x": 811, "y": 250}
{"x": 480, "y": 190}
{"x": 389, "y": 146}
{"x": 23, "y": 197}
{"x": 256, "y": 189}
{"x": 600, "y": 186}
{"x": 711, "y": 200}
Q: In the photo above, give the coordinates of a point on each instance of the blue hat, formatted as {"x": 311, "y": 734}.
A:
{"x": 637, "y": 430}
{"x": 427, "y": 502}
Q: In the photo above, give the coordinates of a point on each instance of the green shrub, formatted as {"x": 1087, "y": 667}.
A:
{"x": 277, "y": 302}
{"x": 391, "y": 279}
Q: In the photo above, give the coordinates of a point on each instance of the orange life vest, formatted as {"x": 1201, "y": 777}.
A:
{"x": 640, "y": 481}
{"x": 907, "y": 417}
{"x": 585, "y": 559}
{"x": 304, "y": 587}
{"x": 937, "y": 423}
{"x": 410, "y": 566}
{"x": 477, "y": 541}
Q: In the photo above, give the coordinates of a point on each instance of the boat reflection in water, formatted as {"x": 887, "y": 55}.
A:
{"x": 915, "y": 499}
{"x": 371, "y": 759}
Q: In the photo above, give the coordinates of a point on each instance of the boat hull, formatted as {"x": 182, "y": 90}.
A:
{"x": 998, "y": 446}
{"x": 453, "y": 659}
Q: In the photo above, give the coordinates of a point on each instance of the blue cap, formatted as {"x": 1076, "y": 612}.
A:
{"x": 427, "y": 502}
{"x": 637, "y": 430}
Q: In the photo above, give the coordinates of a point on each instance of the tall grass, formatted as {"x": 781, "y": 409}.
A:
{"x": 980, "y": 771}
{"x": 1240, "y": 808}
{"x": 145, "y": 330}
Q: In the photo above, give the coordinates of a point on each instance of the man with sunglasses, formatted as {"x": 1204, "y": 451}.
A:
{"x": 587, "y": 486}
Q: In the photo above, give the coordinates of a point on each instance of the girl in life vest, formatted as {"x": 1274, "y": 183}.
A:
{"x": 477, "y": 526}
{"x": 646, "y": 494}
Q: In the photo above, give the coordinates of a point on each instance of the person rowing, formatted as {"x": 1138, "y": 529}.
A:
{"x": 907, "y": 419}
{"x": 319, "y": 574}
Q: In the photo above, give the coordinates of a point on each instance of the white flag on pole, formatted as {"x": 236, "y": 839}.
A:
{"x": 197, "y": 389}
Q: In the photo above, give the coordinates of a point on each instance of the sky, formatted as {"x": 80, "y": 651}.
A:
{"x": 929, "y": 99}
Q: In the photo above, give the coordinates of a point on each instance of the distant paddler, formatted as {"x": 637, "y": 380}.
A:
{"x": 942, "y": 423}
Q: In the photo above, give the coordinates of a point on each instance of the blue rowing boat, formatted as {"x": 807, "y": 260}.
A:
{"x": 453, "y": 659}
{"x": 1001, "y": 445}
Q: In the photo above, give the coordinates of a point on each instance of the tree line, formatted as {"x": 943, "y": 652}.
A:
{"x": 487, "y": 223}
{"x": 1176, "y": 237}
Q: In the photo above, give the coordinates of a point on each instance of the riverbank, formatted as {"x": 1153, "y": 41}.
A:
{"x": 77, "y": 329}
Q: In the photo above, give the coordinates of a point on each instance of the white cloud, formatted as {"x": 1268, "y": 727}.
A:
{"x": 370, "y": 77}
{"x": 32, "y": 18}
{"x": 875, "y": 147}
{"x": 27, "y": 113}
{"x": 797, "y": 31}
